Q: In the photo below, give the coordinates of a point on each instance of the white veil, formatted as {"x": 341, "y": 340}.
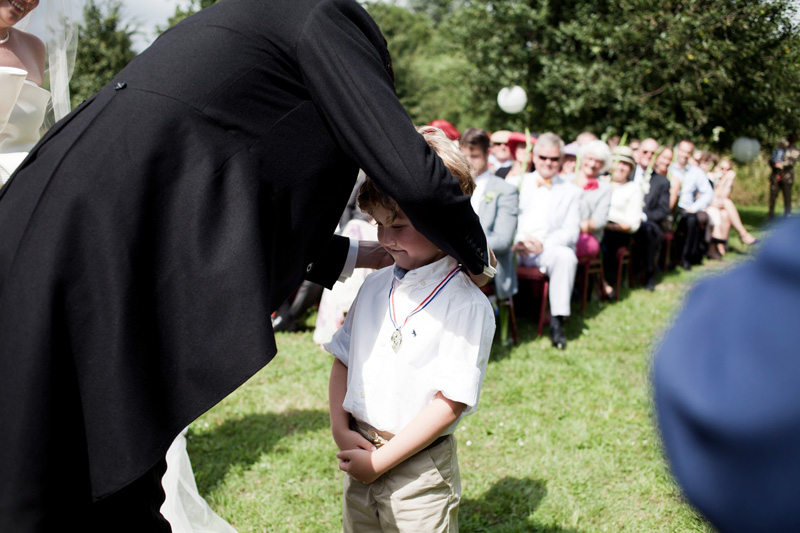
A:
{"x": 56, "y": 23}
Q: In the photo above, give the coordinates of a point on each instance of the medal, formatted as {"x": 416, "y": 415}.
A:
{"x": 397, "y": 340}
{"x": 397, "y": 335}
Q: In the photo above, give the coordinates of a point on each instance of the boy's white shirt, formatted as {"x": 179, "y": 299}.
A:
{"x": 445, "y": 346}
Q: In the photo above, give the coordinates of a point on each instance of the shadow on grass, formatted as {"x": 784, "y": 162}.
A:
{"x": 241, "y": 442}
{"x": 507, "y": 506}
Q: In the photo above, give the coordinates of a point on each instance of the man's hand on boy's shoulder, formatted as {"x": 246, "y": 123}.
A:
{"x": 357, "y": 463}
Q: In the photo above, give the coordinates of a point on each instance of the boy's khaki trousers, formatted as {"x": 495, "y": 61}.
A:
{"x": 420, "y": 494}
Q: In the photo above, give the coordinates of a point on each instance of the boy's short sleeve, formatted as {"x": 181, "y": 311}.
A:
{"x": 339, "y": 345}
{"x": 464, "y": 352}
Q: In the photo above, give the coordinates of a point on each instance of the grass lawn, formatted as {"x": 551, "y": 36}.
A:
{"x": 561, "y": 441}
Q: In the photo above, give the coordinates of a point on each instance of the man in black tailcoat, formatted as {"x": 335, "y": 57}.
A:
{"x": 149, "y": 235}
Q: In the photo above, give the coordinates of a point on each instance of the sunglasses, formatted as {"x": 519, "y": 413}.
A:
{"x": 553, "y": 159}
{"x": 499, "y": 144}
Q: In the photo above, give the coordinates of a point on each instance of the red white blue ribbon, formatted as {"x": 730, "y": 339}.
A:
{"x": 424, "y": 302}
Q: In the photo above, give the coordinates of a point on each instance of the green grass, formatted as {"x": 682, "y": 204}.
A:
{"x": 561, "y": 442}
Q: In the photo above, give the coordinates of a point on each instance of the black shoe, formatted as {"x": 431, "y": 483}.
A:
{"x": 686, "y": 265}
{"x": 557, "y": 335}
{"x": 649, "y": 285}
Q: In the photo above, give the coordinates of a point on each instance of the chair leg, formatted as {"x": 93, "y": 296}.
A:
{"x": 585, "y": 289}
{"x": 545, "y": 305}
{"x": 512, "y": 317}
{"x": 599, "y": 277}
{"x": 631, "y": 273}
{"x": 503, "y": 320}
{"x": 622, "y": 259}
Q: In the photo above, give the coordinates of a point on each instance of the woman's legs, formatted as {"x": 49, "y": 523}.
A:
{"x": 736, "y": 222}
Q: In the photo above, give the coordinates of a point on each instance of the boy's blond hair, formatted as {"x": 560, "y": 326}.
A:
{"x": 370, "y": 196}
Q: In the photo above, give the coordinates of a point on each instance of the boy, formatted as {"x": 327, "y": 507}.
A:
{"x": 409, "y": 363}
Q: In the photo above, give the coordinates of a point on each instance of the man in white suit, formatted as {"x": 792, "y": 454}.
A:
{"x": 549, "y": 224}
{"x": 497, "y": 204}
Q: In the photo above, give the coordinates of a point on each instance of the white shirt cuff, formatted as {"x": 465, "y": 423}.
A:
{"x": 350, "y": 262}
{"x": 488, "y": 270}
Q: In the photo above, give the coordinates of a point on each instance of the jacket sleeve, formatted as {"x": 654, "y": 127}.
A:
{"x": 344, "y": 63}
{"x": 633, "y": 208}
{"x": 570, "y": 226}
{"x": 327, "y": 271}
{"x": 600, "y": 211}
{"x": 500, "y": 235}
{"x": 704, "y": 190}
{"x": 658, "y": 207}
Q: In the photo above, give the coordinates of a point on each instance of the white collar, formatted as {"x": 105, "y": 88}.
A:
{"x": 432, "y": 272}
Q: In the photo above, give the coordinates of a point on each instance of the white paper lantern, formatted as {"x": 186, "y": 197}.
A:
{"x": 745, "y": 149}
{"x": 512, "y": 100}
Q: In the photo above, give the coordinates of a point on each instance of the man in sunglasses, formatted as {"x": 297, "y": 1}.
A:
{"x": 549, "y": 224}
{"x": 647, "y": 149}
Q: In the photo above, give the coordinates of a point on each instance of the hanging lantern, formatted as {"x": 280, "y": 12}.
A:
{"x": 745, "y": 149}
{"x": 512, "y": 100}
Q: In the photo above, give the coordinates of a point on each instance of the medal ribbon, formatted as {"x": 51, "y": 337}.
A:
{"x": 424, "y": 302}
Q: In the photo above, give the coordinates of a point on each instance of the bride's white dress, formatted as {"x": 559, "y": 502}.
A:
{"x": 184, "y": 508}
{"x": 22, "y": 108}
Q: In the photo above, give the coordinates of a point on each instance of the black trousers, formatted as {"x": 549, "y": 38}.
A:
{"x": 648, "y": 242}
{"x": 690, "y": 236}
{"x": 776, "y": 186}
{"x": 612, "y": 241}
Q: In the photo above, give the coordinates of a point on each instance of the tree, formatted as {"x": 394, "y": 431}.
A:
{"x": 669, "y": 69}
{"x": 104, "y": 48}
{"x": 428, "y": 71}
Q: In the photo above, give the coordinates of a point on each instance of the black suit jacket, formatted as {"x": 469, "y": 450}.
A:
{"x": 656, "y": 201}
{"x": 149, "y": 235}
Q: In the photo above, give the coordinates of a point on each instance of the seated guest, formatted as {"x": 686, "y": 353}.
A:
{"x": 656, "y": 217}
{"x": 522, "y": 157}
{"x": 624, "y": 214}
{"x": 728, "y": 214}
{"x": 497, "y": 204}
{"x": 644, "y": 156}
{"x": 585, "y": 138}
{"x": 695, "y": 195}
{"x": 634, "y": 145}
{"x": 501, "y": 157}
{"x": 595, "y": 158}
{"x": 548, "y": 229}
{"x": 568, "y": 159}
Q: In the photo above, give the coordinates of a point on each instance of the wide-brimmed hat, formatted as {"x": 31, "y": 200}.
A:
{"x": 516, "y": 138}
{"x": 624, "y": 154}
{"x": 500, "y": 137}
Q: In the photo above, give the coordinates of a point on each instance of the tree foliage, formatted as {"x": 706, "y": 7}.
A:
{"x": 104, "y": 48}
{"x": 711, "y": 70}
{"x": 669, "y": 69}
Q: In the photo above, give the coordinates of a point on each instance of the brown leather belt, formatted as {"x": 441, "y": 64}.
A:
{"x": 379, "y": 438}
